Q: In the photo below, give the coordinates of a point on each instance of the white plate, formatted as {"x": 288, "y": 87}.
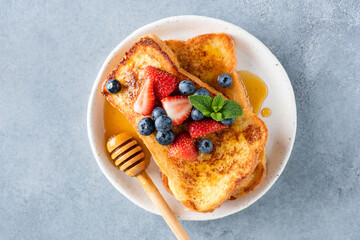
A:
{"x": 252, "y": 55}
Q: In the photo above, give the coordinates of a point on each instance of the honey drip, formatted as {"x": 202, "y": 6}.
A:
{"x": 115, "y": 122}
{"x": 256, "y": 89}
{"x": 266, "y": 112}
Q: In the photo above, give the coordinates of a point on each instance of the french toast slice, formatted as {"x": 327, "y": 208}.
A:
{"x": 205, "y": 184}
{"x": 208, "y": 56}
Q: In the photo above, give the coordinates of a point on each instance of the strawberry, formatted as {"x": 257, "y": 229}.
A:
{"x": 178, "y": 108}
{"x": 183, "y": 147}
{"x": 145, "y": 101}
{"x": 164, "y": 82}
{"x": 203, "y": 127}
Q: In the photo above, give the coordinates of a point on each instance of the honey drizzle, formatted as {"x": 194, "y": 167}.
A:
{"x": 256, "y": 90}
{"x": 266, "y": 112}
{"x": 115, "y": 122}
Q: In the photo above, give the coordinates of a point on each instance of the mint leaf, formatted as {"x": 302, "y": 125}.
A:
{"x": 231, "y": 109}
{"x": 217, "y": 103}
{"x": 217, "y": 108}
{"x": 202, "y": 103}
{"x": 217, "y": 116}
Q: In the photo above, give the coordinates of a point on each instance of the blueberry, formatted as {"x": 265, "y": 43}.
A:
{"x": 196, "y": 115}
{"x": 225, "y": 80}
{"x": 163, "y": 123}
{"x": 205, "y": 145}
{"x": 203, "y": 92}
{"x": 146, "y": 126}
{"x": 165, "y": 138}
{"x": 186, "y": 87}
{"x": 113, "y": 86}
{"x": 157, "y": 112}
{"x": 228, "y": 121}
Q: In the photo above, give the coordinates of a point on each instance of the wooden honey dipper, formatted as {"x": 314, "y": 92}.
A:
{"x": 130, "y": 158}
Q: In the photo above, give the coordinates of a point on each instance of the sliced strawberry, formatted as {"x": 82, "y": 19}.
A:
{"x": 183, "y": 147}
{"x": 164, "y": 82}
{"x": 178, "y": 108}
{"x": 203, "y": 127}
{"x": 145, "y": 101}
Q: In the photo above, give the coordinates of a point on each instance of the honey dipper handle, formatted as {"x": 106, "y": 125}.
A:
{"x": 163, "y": 207}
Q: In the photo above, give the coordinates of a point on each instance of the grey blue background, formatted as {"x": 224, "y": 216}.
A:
{"x": 50, "y": 184}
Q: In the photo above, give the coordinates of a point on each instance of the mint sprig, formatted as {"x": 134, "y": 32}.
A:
{"x": 217, "y": 108}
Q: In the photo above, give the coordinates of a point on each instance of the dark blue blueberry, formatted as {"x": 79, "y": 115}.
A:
{"x": 186, "y": 87}
{"x": 196, "y": 115}
{"x": 165, "y": 138}
{"x": 157, "y": 112}
{"x": 146, "y": 126}
{"x": 113, "y": 86}
{"x": 225, "y": 80}
{"x": 163, "y": 123}
{"x": 228, "y": 121}
{"x": 205, "y": 145}
{"x": 203, "y": 92}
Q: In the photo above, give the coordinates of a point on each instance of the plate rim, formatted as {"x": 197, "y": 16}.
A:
{"x": 170, "y": 20}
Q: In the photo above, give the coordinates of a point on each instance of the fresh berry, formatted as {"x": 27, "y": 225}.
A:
{"x": 196, "y": 115}
{"x": 146, "y": 126}
{"x": 183, "y": 147}
{"x": 205, "y": 145}
{"x": 157, "y": 112}
{"x": 164, "y": 82}
{"x": 225, "y": 80}
{"x": 145, "y": 101}
{"x": 165, "y": 138}
{"x": 203, "y": 127}
{"x": 228, "y": 121}
{"x": 186, "y": 87}
{"x": 178, "y": 108}
{"x": 203, "y": 92}
{"x": 163, "y": 123}
{"x": 113, "y": 86}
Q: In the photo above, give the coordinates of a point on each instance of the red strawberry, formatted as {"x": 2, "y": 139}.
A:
{"x": 183, "y": 147}
{"x": 178, "y": 108}
{"x": 203, "y": 127}
{"x": 164, "y": 82}
{"x": 145, "y": 101}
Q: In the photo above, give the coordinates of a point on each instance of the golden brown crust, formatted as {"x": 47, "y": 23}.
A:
{"x": 206, "y": 183}
{"x": 253, "y": 180}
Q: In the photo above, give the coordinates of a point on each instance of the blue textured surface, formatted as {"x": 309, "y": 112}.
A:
{"x": 50, "y": 184}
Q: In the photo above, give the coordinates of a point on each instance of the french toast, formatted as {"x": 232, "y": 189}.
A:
{"x": 208, "y": 56}
{"x": 206, "y": 183}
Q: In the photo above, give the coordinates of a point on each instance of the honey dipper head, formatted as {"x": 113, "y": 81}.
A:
{"x": 127, "y": 154}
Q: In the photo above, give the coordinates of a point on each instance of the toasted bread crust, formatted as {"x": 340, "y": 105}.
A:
{"x": 205, "y": 184}
{"x": 253, "y": 180}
